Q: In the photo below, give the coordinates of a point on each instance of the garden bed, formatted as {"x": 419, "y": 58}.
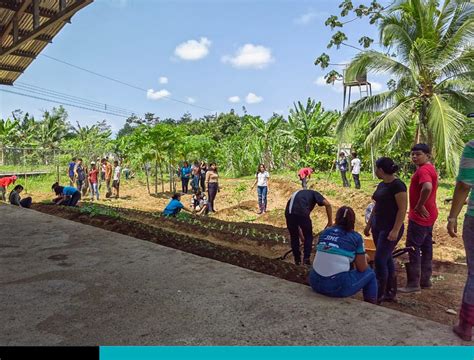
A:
{"x": 256, "y": 247}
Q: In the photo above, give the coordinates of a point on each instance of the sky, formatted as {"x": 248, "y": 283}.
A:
{"x": 213, "y": 54}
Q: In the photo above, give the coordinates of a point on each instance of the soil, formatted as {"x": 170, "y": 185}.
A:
{"x": 258, "y": 246}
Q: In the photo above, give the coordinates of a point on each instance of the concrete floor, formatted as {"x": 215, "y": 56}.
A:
{"x": 64, "y": 283}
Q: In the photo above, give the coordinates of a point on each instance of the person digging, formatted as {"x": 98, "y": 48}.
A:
{"x": 297, "y": 214}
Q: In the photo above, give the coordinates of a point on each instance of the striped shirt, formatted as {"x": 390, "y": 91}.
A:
{"x": 466, "y": 173}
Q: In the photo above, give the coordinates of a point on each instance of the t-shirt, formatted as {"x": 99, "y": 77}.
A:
{"x": 355, "y": 163}
{"x": 93, "y": 176}
{"x": 336, "y": 250}
{"x": 173, "y": 207}
{"x": 69, "y": 190}
{"x": 72, "y": 165}
{"x": 386, "y": 207}
{"x": 425, "y": 173}
{"x": 80, "y": 173}
{"x": 303, "y": 201}
{"x": 304, "y": 172}
{"x": 466, "y": 173}
{"x": 14, "y": 198}
{"x": 117, "y": 171}
{"x": 185, "y": 172}
{"x": 212, "y": 177}
{"x": 108, "y": 171}
{"x": 4, "y": 182}
{"x": 262, "y": 178}
{"x": 342, "y": 165}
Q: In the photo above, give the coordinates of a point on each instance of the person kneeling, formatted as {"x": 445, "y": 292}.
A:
{"x": 338, "y": 247}
{"x": 199, "y": 203}
{"x": 66, "y": 195}
{"x": 175, "y": 206}
{"x": 16, "y": 200}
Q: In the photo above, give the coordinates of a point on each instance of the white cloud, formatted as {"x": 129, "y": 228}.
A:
{"x": 190, "y": 100}
{"x": 234, "y": 99}
{"x": 193, "y": 49}
{"x": 250, "y": 56}
{"x": 251, "y": 98}
{"x": 310, "y": 16}
{"x": 338, "y": 87}
{"x": 157, "y": 95}
{"x": 163, "y": 80}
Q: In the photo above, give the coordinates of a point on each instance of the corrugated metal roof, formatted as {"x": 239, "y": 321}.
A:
{"x": 16, "y": 56}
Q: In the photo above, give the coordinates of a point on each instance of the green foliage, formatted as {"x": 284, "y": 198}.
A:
{"x": 97, "y": 210}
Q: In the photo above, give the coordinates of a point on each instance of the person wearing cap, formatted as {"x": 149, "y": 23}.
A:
{"x": 297, "y": 214}
{"x": 4, "y": 183}
{"x": 93, "y": 180}
{"x": 304, "y": 175}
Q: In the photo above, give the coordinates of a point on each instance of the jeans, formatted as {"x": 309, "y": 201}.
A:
{"x": 345, "y": 284}
{"x": 294, "y": 223}
{"x": 184, "y": 184}
{"x": 26, "y": 202}
{"x": 203, "y": 182}
{"x": 79, "y": 184}
{"x": 468, "y": 238}
{"x": 74, "y": 199}
{"x": 345, "y": 182}
{"x": 262, "y": 192}
{"x": 356, "y": 180}
{"x": 195, "y": 183}
{"x": 212, "y": 189}
{"x": 94, "y": 191}
{"x": 421, "y": 238}
{"x": 384, "y": 264}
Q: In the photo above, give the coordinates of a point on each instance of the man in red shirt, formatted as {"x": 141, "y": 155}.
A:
{"x": 304, "y": 174}
{"x": 421, "y": 218}
{"x": 4, "y": 182}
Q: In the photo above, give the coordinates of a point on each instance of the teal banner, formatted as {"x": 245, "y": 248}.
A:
{"x": 286, "y": 353}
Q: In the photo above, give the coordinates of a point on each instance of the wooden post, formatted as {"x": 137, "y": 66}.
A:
{"x": 24, "y": 170}
{"x": 373, "y": 161}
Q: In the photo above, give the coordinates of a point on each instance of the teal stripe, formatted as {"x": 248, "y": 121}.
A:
{"x": 335, "y": 251}
{"x": 466, "y": 173}
{"x": 286, "y": 352}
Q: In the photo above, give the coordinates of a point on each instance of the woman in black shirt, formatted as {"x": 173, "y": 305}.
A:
{"x": 386, "y": 224}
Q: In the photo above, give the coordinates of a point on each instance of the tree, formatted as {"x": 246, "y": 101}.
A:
{"x": 433, "y": 66}
{"x": 310, "y": 126}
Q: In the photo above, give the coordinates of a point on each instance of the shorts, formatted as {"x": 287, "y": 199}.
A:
{"x": 116, "y": 184}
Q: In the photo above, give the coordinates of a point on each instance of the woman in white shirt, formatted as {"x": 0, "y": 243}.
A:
{"x": 355, "y": 163}
{"x": 261, "y": 180}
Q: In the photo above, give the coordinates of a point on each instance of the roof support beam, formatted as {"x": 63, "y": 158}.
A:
{"x": 43, "y": 12}
{"x": 13, "y": 25}
{"x": 36, "y": 14}
{"x": 58, "y": 18}
{"x": 11, "y": 68}
{"x": 25, "y": 54}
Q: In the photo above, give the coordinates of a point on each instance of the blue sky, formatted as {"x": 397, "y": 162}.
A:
{"x": 214, "y": 54}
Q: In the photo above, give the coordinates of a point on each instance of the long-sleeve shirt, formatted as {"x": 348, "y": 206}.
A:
{"x": 212, "y": 177}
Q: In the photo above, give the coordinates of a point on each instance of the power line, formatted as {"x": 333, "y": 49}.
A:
{"x": 66, "y": 97}
{"x": 121, "y": 82}
{"x": 64, "y": 103}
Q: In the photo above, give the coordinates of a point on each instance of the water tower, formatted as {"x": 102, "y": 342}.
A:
{"x": 365, "y": 87}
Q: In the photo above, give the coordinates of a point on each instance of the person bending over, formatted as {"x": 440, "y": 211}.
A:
{"x": 297, "y": 214}
{"x": 66, "y": 195}
{"x": 338, "y": 247}
{"x": 175, "y": 206}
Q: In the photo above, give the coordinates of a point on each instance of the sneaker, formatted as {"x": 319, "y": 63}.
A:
{"x": 307, "y": 262}
{"x": 297, "y": 262}
{"x": 409, "y": 289}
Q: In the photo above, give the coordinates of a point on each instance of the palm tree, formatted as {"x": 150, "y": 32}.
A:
{"x": 432, "y": 68}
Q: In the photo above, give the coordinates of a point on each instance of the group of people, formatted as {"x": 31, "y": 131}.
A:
{"x": 340, "y": 267}
{"x": 14, "y": 197}
{"x": 90, "y": 178}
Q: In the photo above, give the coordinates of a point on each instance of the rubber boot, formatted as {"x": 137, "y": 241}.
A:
{"x": 413, "y": 279}
{"x": 391, "y": 289}
{"x": 425, "y": 280}
{"x": 260, "y": 209}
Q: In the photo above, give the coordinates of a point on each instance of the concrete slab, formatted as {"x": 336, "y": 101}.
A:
{"x": 64, "y": 283}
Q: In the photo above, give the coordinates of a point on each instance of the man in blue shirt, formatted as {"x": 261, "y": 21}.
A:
{"x": 175, "y": 206}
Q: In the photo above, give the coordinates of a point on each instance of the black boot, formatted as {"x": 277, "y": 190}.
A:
{"x": 381, "y": 288}
{"x": 391, "y": 289}
{"x": 425, "y": 280}
{"x": 413, "y": 279}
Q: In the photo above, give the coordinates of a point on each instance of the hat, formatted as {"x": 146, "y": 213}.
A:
{"x": 92, "y": 162}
